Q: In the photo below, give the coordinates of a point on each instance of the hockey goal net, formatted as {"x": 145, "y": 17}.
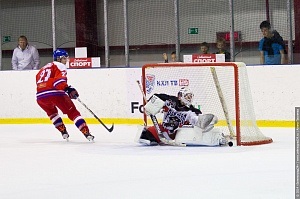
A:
{"x": 219, "y": 88}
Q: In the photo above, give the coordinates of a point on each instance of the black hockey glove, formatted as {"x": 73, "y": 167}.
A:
{"x": 195, "y": 110}
{"x": 72, "y": 92}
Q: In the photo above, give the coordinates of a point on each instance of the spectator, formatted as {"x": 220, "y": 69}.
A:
{"x": 25, "y": 56}
{"x": 271, "y": 47}
{"x": 173, "y": 57}
{"x": 221, "y": 43}
{"x": 204, "y": 48}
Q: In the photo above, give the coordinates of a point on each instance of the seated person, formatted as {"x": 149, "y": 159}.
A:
{"x": 204, "y": 48}
{"x": 173, "y": 57}
{"x": 221, "y": 49}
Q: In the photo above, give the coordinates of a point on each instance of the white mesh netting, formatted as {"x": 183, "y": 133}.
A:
{"x": 169, "y": 78}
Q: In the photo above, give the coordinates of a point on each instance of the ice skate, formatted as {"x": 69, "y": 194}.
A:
{"x": 222, "y": 140}
{"x": 63, "y": 131}
{"x": 147, "y": 138}
{"x": 87, "y": 134}
{"x": 65, "y": 136}
{"x": 90, "y": 137}
{"x": 226, "y": 140}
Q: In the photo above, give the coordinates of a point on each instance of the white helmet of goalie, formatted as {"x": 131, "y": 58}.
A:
{"x": 186, "y": 96}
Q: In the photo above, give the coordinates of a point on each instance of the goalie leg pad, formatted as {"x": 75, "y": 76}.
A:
{"x": 214, "y": 138}
{"x": 190, "y": 135}
{"x": 196, "y": 137}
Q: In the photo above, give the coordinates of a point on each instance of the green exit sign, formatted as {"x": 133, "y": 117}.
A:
{"x": 193, "y": 31}
{"x": 6, "y": 39}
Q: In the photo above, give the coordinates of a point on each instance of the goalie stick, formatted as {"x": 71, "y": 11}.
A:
{"x": 222, "y": 100}
{"x": 156, "y": 126}
{"x": 108, "y": 129}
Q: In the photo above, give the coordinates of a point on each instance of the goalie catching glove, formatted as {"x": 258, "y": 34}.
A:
{"x": 72, "y": 92}
{"x": 154, "y": 105}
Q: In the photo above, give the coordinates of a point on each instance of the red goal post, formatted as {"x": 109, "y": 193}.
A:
{"x": 220, "y": 88}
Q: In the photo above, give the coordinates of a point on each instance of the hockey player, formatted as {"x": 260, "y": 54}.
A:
{"x": 179, "y": 111}
{"x": 54, "y": 92}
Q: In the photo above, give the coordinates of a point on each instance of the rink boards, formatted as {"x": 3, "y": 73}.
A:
{"x": 114, "y": 96}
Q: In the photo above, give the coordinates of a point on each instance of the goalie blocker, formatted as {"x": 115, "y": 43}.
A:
{"x": 178, "y": 111}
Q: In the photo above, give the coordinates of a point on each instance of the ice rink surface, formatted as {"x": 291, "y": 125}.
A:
{"x": 36, "y": 163}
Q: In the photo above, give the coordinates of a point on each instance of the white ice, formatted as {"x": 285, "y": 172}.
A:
{"x": 36, "y": 163}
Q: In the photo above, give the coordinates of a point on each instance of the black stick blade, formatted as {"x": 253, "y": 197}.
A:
{"x": 111, "y": 128}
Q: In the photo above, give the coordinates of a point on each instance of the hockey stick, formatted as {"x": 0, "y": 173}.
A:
{"x": 109, "y": 129}
{"x": 221, "y": 97}
{"x": 155, "y": 123}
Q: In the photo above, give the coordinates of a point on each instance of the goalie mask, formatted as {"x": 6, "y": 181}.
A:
{"x": 185, "y": 95}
